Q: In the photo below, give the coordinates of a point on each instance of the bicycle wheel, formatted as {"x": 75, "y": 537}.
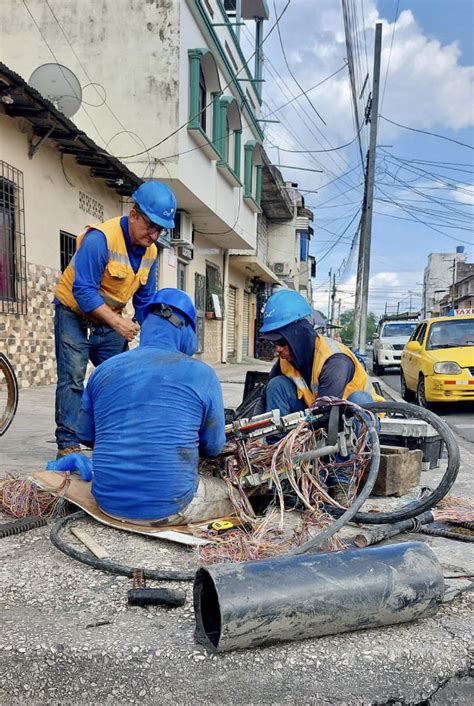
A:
{"x": 8, "y": 393}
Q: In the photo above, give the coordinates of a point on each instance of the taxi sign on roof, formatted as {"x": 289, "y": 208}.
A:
{"x": 464, "y": 312}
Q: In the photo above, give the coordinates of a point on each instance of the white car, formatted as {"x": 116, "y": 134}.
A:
{"x": 389, "y": 341}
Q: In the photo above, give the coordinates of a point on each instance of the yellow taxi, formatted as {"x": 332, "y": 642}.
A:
{"x": 437, "y": 363}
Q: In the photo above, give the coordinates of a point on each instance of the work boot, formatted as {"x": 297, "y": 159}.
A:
{"x": 340, "y": 493}
{"x": 68, "y": 450}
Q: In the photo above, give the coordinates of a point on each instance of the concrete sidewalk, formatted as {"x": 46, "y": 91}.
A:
{"x": 69, "y": 636}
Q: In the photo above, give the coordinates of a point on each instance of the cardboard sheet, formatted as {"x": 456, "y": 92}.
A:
{"x": 79, "y": 492}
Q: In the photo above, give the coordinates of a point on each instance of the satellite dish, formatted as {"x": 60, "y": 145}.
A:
{"x": 60, "y": 85}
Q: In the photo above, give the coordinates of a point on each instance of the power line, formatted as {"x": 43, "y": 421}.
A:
{"x": 94, "y": 84}
{"x": 323, "y": 257}
{"x": 291, "y": 72}
{"x": 60, "y": 67}
{"x": 427, "y": 132}
{"x": 333, "y": 149}
{"x": 232, "y": 80}
{"x": 424, "y": 222}
{"x": 390, "y": 54}
{"x": 316, "y": 85}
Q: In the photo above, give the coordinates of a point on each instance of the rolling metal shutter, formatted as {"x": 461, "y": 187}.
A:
{"x": 246, "y": 325}
{"x": 231, "y": 342}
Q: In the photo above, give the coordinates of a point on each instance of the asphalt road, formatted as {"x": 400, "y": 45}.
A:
{"x": 459, "y": 416}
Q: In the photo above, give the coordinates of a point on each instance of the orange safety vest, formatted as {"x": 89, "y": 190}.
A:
{"x": 324, "y": 348}
{"x": 119, "y": 281}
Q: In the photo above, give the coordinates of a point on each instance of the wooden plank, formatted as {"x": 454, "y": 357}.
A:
{"x": 97, "y": 549}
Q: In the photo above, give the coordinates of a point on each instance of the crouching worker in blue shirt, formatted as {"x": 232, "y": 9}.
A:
{"x": 149, "y": 414}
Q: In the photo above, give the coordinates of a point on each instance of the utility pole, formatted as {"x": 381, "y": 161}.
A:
{"x": 329, "y": 296}
{"x": 363, "y": 265}
{"x": 453, "y": 297}
{"x": 339, "y": 304}
{"x": 333, "y": 297}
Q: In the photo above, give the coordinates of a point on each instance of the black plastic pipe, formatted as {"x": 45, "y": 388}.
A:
{"x": 295, "y": 597}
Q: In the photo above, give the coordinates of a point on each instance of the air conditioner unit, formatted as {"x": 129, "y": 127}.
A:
{"x": 182, "y": 233}
{"x": 282, "y": 269}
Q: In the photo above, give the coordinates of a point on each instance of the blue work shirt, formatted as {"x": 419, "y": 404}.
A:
{"x": 151, "y": 412}
{"x": 90, "y": 262}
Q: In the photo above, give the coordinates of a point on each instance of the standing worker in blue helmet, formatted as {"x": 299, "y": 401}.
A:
{"x": 149, "y": 414}
{"x": 114, "y": 262}
{"x": 309, "y": 365}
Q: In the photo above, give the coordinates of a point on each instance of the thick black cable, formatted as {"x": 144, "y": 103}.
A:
{"x": 425, "y": 503}
{"x": 107, "y": 565}
{"x": 427, "y": 132}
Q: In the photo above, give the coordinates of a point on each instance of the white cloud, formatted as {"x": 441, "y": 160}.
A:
{"x": 464, "y": 193}
{"x": 427, "y": 86}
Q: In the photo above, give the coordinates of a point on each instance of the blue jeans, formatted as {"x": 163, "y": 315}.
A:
{"x": 77, "y": 342}
{"x": 281, "y": 394}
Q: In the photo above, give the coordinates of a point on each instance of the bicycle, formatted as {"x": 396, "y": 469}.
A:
{"x": 8, "y": 393}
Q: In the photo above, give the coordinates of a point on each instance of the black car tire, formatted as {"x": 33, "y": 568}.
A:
{"x": 406, "y": 394}
{"x": 421, "y": 394}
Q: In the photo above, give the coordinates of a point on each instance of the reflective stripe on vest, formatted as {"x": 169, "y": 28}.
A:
{"x": 325, "y": 347}
{"x": 119, "y": 282}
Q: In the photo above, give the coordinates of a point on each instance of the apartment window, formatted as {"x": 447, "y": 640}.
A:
{"x": 202, "y": 99}
{"x": 181, "y": 273}
{"x": 12, "y": 241}
{"x": 213, "y": 290}
{"x": 203, "y": 83}
{"x": 252, "y": 173}
{"x": 304, "y": 247}
{"x": 200, "y": 305}
{"x": 67, "y": 248}
{"x": 228, "y": 133}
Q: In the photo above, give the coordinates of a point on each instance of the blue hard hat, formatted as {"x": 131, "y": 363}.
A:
{"x": 157, "y": 201}
{"x": 282, "y": 308}
{"x": 178, "y": 300}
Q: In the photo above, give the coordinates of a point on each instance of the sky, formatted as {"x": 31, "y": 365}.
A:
{"x": 426, "y": 83}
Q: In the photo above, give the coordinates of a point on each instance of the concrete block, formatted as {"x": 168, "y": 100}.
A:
{"x": 400, "y": 470}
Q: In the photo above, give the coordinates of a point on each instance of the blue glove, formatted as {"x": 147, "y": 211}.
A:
{"x": 73, "y": 462}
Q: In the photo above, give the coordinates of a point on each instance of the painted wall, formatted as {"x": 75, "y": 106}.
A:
{"x": 51, "y": 204}
{"x": 130, "y": 48}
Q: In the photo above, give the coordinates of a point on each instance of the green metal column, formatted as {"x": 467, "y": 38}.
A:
{"x": 237, "y": 152}
{"x": 194, "y": 67}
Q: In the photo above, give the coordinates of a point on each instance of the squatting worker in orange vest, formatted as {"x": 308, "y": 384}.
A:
{"x": 309, "y": 366}
{"x": 114, "y": 262}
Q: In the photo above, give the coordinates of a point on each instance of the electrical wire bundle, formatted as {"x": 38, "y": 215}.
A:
{"x": 293, "y": 465}
{"x": 454, "y": 510}
{"x": 266, "y": 539}
{"x": 22, "y": 497}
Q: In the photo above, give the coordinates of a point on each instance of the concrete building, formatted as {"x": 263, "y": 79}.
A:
{"x": 46, "y": 198}
{"x": 439, "y": 275}
{"x": 460, "y": 295}
{"x": 166, "y": 88}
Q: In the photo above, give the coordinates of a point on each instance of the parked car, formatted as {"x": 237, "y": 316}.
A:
{"x": 438, "y": 361}
{"x": 389, "y": 340}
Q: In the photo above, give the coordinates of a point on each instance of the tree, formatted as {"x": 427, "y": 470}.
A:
{"x": 347, "y": 323}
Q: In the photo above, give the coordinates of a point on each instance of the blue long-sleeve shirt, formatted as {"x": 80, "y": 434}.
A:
{"x": 90, "y": 262}
{"x": 150, "y": 413}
